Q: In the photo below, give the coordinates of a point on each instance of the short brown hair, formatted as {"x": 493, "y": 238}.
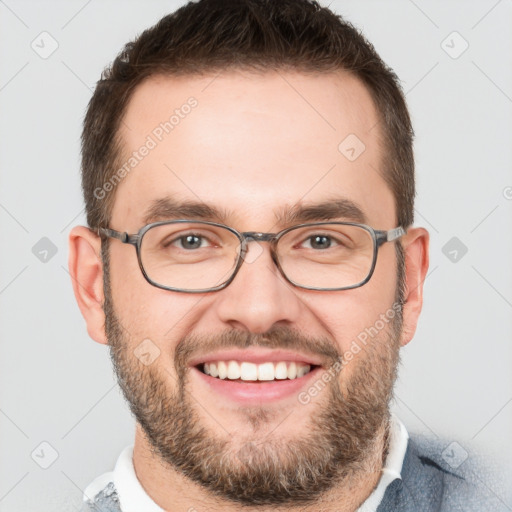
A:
{"x": 210, "y": 35}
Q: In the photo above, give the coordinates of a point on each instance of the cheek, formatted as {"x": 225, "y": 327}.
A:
{"x": 147, "y": 312}
{"x": 348, "y": 314}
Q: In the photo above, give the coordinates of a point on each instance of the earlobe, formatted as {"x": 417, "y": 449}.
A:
{"x": 86, "y": 270}
{"x": 415, "y": 245}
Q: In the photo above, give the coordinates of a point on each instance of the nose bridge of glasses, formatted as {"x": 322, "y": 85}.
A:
{"x": 256, "y": 236}
{"x": 259, "y": 237}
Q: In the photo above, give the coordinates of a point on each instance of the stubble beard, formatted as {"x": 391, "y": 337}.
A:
{"x": 262, "y": 469}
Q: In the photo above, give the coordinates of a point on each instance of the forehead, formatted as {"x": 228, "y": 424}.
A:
{"x": 252, "y": 146}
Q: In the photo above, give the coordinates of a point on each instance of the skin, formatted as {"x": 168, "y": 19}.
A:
{"x": 253, "y": 145}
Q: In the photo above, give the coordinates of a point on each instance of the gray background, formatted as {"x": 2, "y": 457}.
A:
{"x": 57, "y": 386}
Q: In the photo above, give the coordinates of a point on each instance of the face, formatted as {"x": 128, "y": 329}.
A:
{"x": 255, "y": 149}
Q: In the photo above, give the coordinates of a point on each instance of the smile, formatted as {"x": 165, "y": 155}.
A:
{"x": 255, "y": 375}
{"x": 248, "y": 371}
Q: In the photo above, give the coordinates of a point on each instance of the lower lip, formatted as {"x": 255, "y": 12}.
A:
{"x": 251, "y": 392}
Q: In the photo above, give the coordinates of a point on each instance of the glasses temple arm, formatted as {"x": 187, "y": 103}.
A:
{"x": 124, "y": 237}
{"x": 389, "y": 236}
{"x": 395, "y": 233}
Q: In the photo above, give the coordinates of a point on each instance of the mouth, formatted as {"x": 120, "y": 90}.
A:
{"x": 255, "y": 375}
{"x": 246, "y": 371}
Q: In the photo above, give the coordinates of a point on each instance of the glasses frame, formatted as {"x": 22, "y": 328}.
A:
{"x": 379, "y": 238}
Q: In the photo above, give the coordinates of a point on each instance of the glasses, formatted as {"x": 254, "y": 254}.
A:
{"x": 198, "y": 256}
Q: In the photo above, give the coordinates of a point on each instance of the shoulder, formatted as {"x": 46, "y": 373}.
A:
{"x": 440, "y": 475}
{"x": 105, "y": 499}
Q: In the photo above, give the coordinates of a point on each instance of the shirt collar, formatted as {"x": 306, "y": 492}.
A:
{"x": 398, "y": 439}
{"x": 132, "y": 496}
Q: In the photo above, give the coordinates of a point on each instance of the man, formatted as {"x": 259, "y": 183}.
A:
{"x": 258, "y": 157}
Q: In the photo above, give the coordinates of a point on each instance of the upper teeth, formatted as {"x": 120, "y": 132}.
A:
{"x": 251, "y": 371}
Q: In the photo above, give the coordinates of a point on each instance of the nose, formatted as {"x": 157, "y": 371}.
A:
{"x": 259, "y": 297}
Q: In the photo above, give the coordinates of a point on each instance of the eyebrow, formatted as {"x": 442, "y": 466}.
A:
{"x": 169, "y": 209}
{"x": 335, "y": 209}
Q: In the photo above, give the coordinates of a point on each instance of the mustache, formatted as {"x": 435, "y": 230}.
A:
{"x": 194, "y": 345}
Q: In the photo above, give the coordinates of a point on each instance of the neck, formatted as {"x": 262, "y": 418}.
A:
{"x": 172, "y": 491}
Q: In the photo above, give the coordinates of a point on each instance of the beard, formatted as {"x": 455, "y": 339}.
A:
{"x": 344, "y": 424}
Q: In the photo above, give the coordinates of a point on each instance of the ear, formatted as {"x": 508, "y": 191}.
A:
{"x": 86, "y": 270}
{"x": 415, "y": 245}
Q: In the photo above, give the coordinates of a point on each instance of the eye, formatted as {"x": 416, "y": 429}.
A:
{"x": 319, "y": 242}
{"x": 190, "y": 242}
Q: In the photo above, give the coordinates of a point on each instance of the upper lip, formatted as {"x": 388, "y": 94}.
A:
{"x": 256, "y": 355}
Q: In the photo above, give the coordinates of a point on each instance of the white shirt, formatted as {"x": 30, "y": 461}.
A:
{"x": 398, "y": 438}
{"x": 133, "y": 497}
